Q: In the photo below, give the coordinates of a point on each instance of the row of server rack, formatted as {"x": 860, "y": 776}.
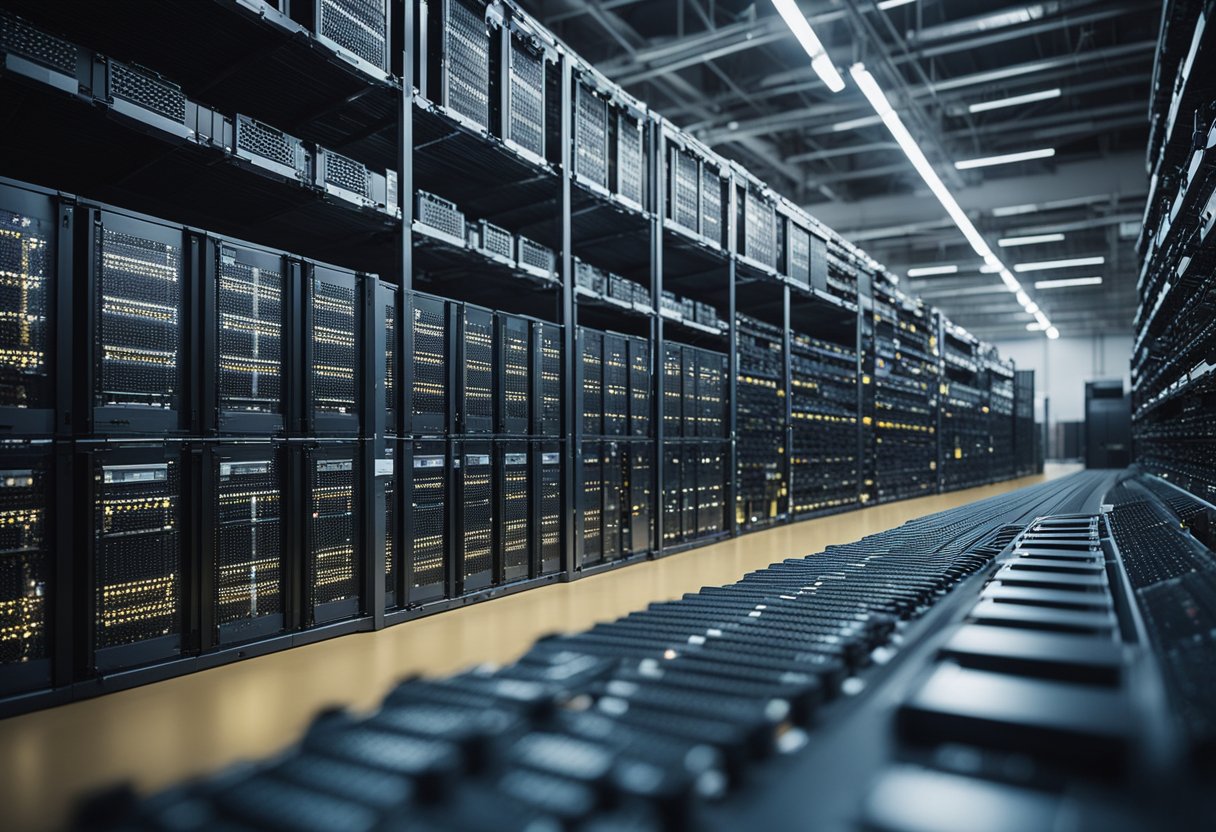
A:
{"x": 1174, "y": 350}
{"x": 375, "y": 307}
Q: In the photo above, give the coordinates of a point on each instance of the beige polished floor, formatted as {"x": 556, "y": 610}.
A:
{"x": 157, "y": 734}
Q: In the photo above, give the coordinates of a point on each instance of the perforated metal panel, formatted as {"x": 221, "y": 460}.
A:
{"x": 428, "y": 509}
{"x": 494, "y": 240}
{"x": 358, "y": 26}
{"x": 466, "y": 60}
{"x": 591, "y": 505}
{"x": 248, "y": 539}
{"x": 335, "y": 351}
{"x": 641, "y": 497}
{"x": 690, "y": 408}
{"x": 685, "y": 184}
{"x": 550, "y": 340}
{"x": 711, "y": 384}
{"x": 590, "y": 136}
{"x": 592, "y": 358}
{"x": 390, "y": 357}
{"x": 476, "y": 514}
{"x": 440, "y": 214}
{"x": 630, "y": 159}
{"x": 514, "y": 519}
{"x": 259, "y": 141}
{"x": 760, "y": 224}
{"x": 711, "y": 476}
{"x": 673, "y": 386}
{"x": 338, "y": 171}
{"x": 331, "y": 506}
{"x": 515, "y": 373}
{"x": 673, "y": 469}
{"x": 616, "y": 385}
{"x": 24, "y": 562}
{"x": 640, "y": 384}
{"x": 711, "y": 205}
{"x": 147, "y": 91}
{"x": 25, "y": 275}
{"x": 249, "y": 337}
{"x": 18, "y": 38}
{"x": 390, "y": 528}
{"x": 525, "y": 122}
{"x": 429, "y": 393}
{"x": 477, "y": 370}
{"x": 550, "y": 513}
{"x": 533, "y": 256}
{"x": 137, "y": 538}
{"x": 138, "y": 321}
{"x": 615, "y": 500}
{"x": 800, "y": 255}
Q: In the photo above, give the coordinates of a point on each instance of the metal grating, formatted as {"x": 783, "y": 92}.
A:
{"x": 550, "y": 511}
{"x": 673, "y": 465}
{"x": 515, "y": 538}
{"x": 25, "y": 274}
{"x": 428, "y": 508}
{"x": 711, "y": 205}
{"x": 526, "y": 98}
{"x": 358, "y": 26}
{"x": 550, "y": 379}
{"x": 341, "y": 172}
{"x": 248, "y": 540}
{"x": 710, "y": 490}
{"x": 535, "y": 256}
{"x": 685, "y": 184}
{"x": 249, "y": 336}
{"x": 630, "y": 159}
{"x": 147, "y": 91}
{"x": 390, "y": 359}
{"x": 265, "y": 142}
{"x": 641, "y": 494}
{"x": 440, "y": 214}
{"x": 691, "y": 412}
{"x": 591, "y": 499}
{"x": 466, "y": 65}
{"x": 593, "y": 381}
{"x": 800, "y": 255}
{"x": 335, "y": 353}
{"x": 390, "y": 529}
{"x": 138, "y": 321}
{"x": 477, "y": 372}
{"x": 760, "y": 222}
{"x": 476, "y": 514}
{"x": 429, "y": 394}
{"x": 495, "y": 241}
{"x": 19, "y": 38}
{"x": 616, "y": 385}
{"x": 673, "y": 397}
{"x": 711, "y": 383}
{"x": 137, "y": 574}
{"x": 612, "y": 501}
{"x": 516, "y": 371}
{"x": 24, "y": 564}
{"x": 639, "y": 387}
{"x": 590, "y": 137}
{"x": 332, "y": 509}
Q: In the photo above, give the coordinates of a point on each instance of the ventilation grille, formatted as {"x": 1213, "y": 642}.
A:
{"x": 630, "y": 172}
{"x": 358, "y": 26}
{"x": 536, "y": 256}
{"x": 761, "y": 230}
{"x": 800, "y": 255}
{"x": 551, "y": 379}
{"x": 515, "y": 514}
{"x": 24, "y": 564}
{"x": 673, "y": 382}
{"x": 390, "y": 357}
{"x": 429, "y": 513}
{"x": 332, "y": 508}
{"x": 138, "y": 553}
{"x": 684, "y": 186}
{"x": 248, "y": 540}
{"x": 436, "y": 212}
{"x": 711, "y": 205}
{"x": 591, "y": 137}
{"x": 467, "y": 61}
{"x": 478, "y": 369}
{"x": 639, "y": 387}
{"x": 526, "y": 122}
{"x": 592, "y": 505}
{"x": 616, "y": 385}
{"x": 25, "y": 271}
{"x": 494, "y": 240}
{"x": 515, "y": 371}
{"x": 476, "y": 514}
{"x": 335, "y": 354}
{"x": 390, "y": 532}
{"x": 148, "y": 92}
{"x": 138, "y": 321}
{"x": 265, "y": 142}
{"x": 593, "y": 374}
{"x": 550, "y": 510}
{"x": 429, "y": 394}
{"x": 250, "y": 335}
{"x": 347, "y": 174}
{"x": 18, "y": 38}
{"x": 672, "y": 467}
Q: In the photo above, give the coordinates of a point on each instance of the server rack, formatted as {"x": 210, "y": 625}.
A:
{"x": 388, "y": 470}
{"x": 591, "y": 153}
{"x": 462, "y": 63}
{"x": 475, "y": 360}
{"x": 590, "y": 381}
{"x": 638, "y": 532}
{"x": 513, "y": 365}
{"x": 614, "y": 502}
{"x": 641, "y": 387}
{"x": 333, "y": 322}
{"x": 474, "y": 517}
{"x": 357, "y": 29}
{"x": 615, "y": 385}
{"x": 548, "y": 378}
{"x": 431, "y": 333}
{"x": 546, "y": 503}
{"x": 333, "y": 501}
{"x": 513, "y": 539}
{"x": 589, "y": 549}
{"x": 528, "y": 57}
{"x": 28, "y": 534}
{"x": 426, "y": 495}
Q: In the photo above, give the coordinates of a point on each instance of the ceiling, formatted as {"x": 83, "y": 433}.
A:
{"x": 730, "y": 72}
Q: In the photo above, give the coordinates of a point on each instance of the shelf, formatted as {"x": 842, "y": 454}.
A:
{"x": 585, "y": 297}
{"x": 242, "y": 57}
{"x": 609, "y": 233}
{"x": 689, "y": 256}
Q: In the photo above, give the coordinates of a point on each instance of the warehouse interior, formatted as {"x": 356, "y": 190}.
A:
{"x": 607, "y": 415}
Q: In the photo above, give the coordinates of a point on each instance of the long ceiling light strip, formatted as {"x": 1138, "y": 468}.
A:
{"x": 1015, "y": 100}
{"x": 820, "y": 62}
{"x": 878, "y": 100}
{"x": 883, "y": 5}
{"x": 1071, "y": 281}
{"x": 1059, "y": 264}
{"x": 1005, "y": 159}
{"x": 928, "y": 271}
{"x": 1033, "y": 240}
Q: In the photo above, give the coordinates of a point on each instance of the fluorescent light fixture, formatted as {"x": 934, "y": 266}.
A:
{"x": 1023, "y": 298}
{"x": 1035, "y": 327}
{"x": 1010, "y": 242}
{"x": 891, "y": 4}
{"x": 1005, "y": 159}
{"x": 987, "y": 269}
{"x": 1013, "y": 101}
{"x": 882, "y": 106}
{"x": 1072, "y": 281}
{"x": 1058, "y": 264}
{"x": 854, "y": 123}
{"x": 1053, "y": 333}
{"x": 820, "y": 62}
{"x": 926, "y": 271}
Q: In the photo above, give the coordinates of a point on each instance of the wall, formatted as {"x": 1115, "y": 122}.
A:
{"x": 1062, "y": 367}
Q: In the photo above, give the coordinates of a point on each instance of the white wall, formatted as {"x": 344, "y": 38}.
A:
{"x": 1062, "y": 367}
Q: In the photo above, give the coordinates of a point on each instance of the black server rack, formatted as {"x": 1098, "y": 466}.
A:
{"x": 762, "y": 495}
{"x": 712, "y": 370}
{"x": 473, "y": 532}
{"x": 711, "y": 488}
{"x": 547, "y": 374}
{"x": 513, "y": 368}
{"x": 590, "y": 512}
{"x": 268, "y": 151}
{"x": 248, "y": 294}
{"x": 388, "y": 470}
{"x": 629, "y": 161}
{"x": 430, "y": 335}
{"x": 524, "y": 123}
{"x": 332, "y": 355}
{"x": 759, "y": 229}
{"x": 463, "y": 62}
{"x": 671, "y": 498}
{"x": 27, "y": 545}
{"x": 798, "y": 255}
{"x": 37, "y": 265}
{"x": 590, "y": 381}
{"x": 331, "y": 528}
{"x": 245, "y": 502}
{"x": 615, "y": 385}
{"x": 673, "y": 390}
{"x": 638, "y": 532}
{"x": 590, "y": 137}
{"x": 690, "y": 475}
{"x": 641, "y": 387}
{"x": 713, "y": 205}
{"x": 475, "y": 361}
{"x": 689, "y": 408}
{"x": 389, "y": 297}
{"x": 426, "y": 495}
{"x": 137, "y": 552}
{"x": 513, "y": 530}
{"x": 135, "y": 278}
{"x": 613, "y": 501}
{"x": 546, "y": 502}
{"x": 684, "y": 188}
{"x": 1025, "y": 436}
{"x": 357, "y": 29}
